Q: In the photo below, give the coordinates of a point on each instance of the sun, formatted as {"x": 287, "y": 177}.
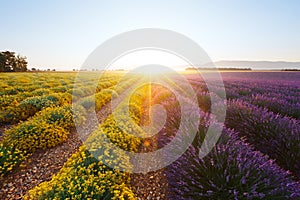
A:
{"x": 155, "y": 61}
{"x": 153, "y": 69}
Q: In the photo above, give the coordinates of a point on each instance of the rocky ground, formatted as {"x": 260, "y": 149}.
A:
{"x": 151, "y": 185}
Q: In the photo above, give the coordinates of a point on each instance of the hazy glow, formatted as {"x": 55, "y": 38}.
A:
{"x": 148, "y": 57}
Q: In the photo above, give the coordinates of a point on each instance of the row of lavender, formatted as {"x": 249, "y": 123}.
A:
{"x": 273, "y": 133}
{"x": 266, "y": 113}
{"x": 278, "y": 97}
{"x": 257, "y": 158}
{"x": 279, "y": 94}
{"x": 232, "y": 170}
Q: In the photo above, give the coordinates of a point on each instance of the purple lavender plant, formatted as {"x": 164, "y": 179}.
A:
{"x": 270, "y": 133}
{"x": 232, "y": 170}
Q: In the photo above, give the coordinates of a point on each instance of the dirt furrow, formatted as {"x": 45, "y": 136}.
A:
{"x": 151, "y": 185}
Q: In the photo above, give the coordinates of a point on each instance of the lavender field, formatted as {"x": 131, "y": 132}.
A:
{"x": 258, "y": 153}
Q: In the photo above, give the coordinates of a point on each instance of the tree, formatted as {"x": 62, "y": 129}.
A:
{"x": 2, "y": 62}
{"x": 9, "y": 62}
{"x": 21, "y": 64}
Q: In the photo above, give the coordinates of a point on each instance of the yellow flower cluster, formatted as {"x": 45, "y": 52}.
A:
{"x": 20, "y": 100}
{"x": 96, "y": 101}
{"x": 48, "y": 97}
{"x": 29, "y": 106}
{"x": 9, "y": 158}
{"x": 35, "y": 134}
{"x": 64, "y": 116}
{"x": 47, "y": 129}
{"x": 85, "y": 88}
{"x": 85, "y": 175}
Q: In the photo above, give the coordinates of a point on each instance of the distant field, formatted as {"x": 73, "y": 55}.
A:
{"x": 256, "y": 157}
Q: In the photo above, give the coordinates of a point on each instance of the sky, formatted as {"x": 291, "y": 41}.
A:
{"x": 61, "y": 34}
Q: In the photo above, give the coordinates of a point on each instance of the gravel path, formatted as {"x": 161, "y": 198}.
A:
{"x": 42, "y": 164}
{"x": 151, "y": 185}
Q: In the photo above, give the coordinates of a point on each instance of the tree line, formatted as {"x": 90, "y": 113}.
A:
{"x": 218, "y": 68}
{"x": 10, "y": 62}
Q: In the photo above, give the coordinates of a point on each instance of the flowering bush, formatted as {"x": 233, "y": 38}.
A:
{"x": 9, "y": 158}
{"x": 34, "y": 134}
{"x": 13, "y": 100}
{"x": 9, "y": 100}
{"x": 47, "y": 129}
{"x": 59, "y": 89}
{"x": 106, "y": 84}
{"x": 84, "y": 177}
{"x": 32, "y": 105}
{"x": 83, "y": 91}
{"x": 40, "y": 92}
{"x": 120, "y": 134}
{"x": 96, "y": 101}
{"x": 64, "y": 116}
